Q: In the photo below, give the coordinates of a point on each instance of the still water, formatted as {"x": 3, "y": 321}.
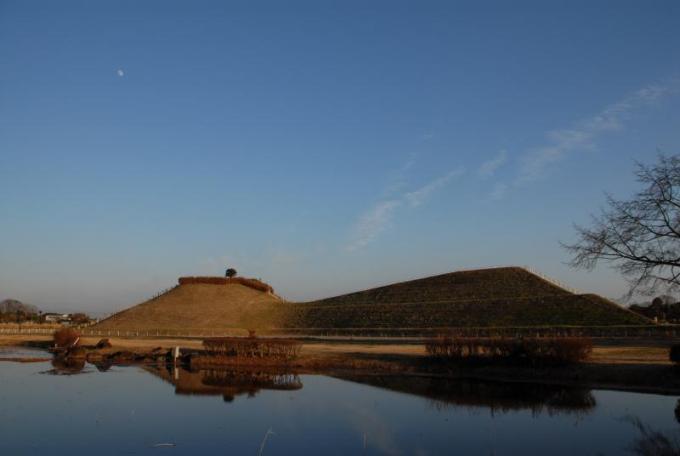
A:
{"x": 52, "y": 410}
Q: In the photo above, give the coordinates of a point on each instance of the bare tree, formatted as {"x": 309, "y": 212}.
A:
{"x": 639, "y": 237}
{"x": 80, "y": 318}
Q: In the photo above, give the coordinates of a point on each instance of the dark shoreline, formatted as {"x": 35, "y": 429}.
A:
{"x": 642, "y": 378}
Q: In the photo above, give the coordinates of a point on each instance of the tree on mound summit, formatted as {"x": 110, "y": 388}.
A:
{"x": 640, "y": 237}
{"x": 231, "y": 272}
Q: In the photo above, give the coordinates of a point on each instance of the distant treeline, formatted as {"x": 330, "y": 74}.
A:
{"x": 19, "y": 316}
{"x": 662, "y": 309}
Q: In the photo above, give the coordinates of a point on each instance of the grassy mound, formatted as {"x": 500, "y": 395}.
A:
{"x": 509, "y": 296}
{"x": 496, "y": 283}
{"x": 558, "y": 310}
{"x": 200, "y": 306}
{"x": 498, "y": 297}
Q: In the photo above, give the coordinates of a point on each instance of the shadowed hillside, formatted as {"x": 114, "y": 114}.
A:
{"x": 495, "y": 283}
{"x": 509, "y": 296}
{"x": 499, "y": 297}
{"x": 555, "y": 310}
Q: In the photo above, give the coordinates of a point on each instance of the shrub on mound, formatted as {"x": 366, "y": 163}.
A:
{"x": 534, "y": 351}
{"x": 251, "y": 283}
{"x": 66, "y": 337}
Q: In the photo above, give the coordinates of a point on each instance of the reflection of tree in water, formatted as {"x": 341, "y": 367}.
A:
{"x": 228, "y": 383}
{"x": 66, "y": 366}
{"x": 651, "y": 442}
{"x": 250, "y": 383}
{"x": 103, "y": 366}
{"x": 497, "y": 396}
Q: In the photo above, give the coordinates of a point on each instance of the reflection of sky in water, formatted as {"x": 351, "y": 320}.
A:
{"x": 23, "y": 352}
{"x": 126, "y": 411}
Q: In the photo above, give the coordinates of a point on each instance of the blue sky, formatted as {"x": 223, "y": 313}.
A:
{"x": 322, "y": 146}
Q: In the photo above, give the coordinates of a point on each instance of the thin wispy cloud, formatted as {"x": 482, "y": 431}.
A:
{"x": 562, "y": 142}
{"x": 499, "y": 191}
{"x": 489, "y": 167}
{"x": 120, "y": 72}
{"x": 372, "y": 223}
{"x": 397, "y": 180}
{"x": 418, "y": 197}
{"x": 376, "y": 220}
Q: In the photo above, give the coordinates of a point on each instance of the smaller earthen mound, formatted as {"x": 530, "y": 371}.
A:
{"x": 203, "y": 305}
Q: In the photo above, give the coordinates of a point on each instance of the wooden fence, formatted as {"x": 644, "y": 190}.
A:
{"x": 647, "y": 332}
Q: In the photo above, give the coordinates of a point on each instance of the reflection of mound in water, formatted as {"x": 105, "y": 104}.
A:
{"x": 496, "y": 396}
{"x": 227, "y": 383}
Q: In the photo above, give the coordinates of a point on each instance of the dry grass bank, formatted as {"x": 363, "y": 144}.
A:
{"x": 633, "y": 365}
{"x": 30, "y": 325}
{"x": 24, "y": 339}
{"x": 649, "y": 352}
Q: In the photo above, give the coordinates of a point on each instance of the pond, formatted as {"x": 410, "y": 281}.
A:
{"x": 48, "y": 410}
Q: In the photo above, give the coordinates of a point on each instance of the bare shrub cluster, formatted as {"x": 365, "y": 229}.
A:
{"x": 253, "y": 347}
{"x": 250, "y": 283}
{"x": 65, "y": 337}
{"x": 535, "y": 351}
{"x": 674, "y": 354}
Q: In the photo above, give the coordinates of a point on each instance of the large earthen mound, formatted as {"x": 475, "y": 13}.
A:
{"x": 495, "y": 297}
{"x": 507, "y": 296}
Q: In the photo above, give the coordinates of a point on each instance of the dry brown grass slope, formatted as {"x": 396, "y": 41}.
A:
{"x": 200, "y": 306}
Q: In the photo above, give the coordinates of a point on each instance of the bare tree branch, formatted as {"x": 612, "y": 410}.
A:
{"x": 639, "y": 237}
